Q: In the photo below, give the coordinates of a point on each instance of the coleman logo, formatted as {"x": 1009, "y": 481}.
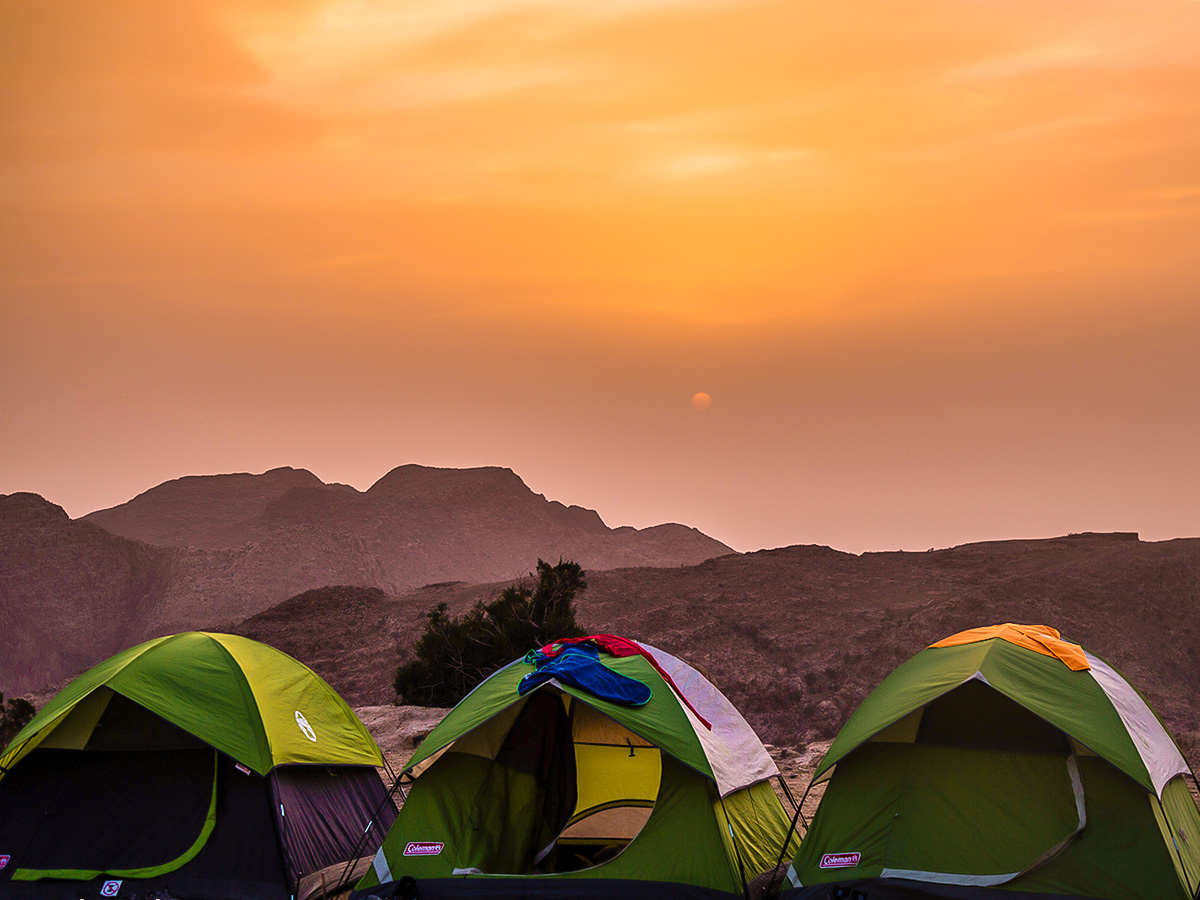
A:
{"x": 423, "y": 848}
{"x": 840, "y": 860}
{"x": 302, "y": 724}
{"x": 110, "y": 888}
{"x": 4, "y": 858}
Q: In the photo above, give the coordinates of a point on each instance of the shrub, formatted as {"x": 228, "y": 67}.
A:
{"x": 456, "y": 654}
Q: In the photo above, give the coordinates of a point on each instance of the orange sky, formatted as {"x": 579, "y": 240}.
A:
{"x": 936, "y": 262}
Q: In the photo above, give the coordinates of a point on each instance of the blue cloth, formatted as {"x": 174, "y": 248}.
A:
{"x": 580, "y": 666}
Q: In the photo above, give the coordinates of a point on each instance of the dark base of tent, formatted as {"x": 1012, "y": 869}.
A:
{"x": 901, "y": 889}
{"x": 179, "y": 887}
{"x": 67, "y": 816}
{"x": 115, "y": 810}
{"x": 540, "y": 888}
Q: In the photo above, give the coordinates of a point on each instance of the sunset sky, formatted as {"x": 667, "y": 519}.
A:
{"x": 936, "y": 262}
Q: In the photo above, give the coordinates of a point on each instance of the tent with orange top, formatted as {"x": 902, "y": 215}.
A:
{"x": 1003, "y": 759}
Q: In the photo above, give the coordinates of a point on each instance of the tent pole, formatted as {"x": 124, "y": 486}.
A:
{"x": 5, "y": 769}
{"x": 1174, "y": 843}
{"x": 736, "y": 849}
{"x": 787, "y": 791}
{"x": 280, "y": 818}
{"x": 1195, "y": 896}
{"x": 361, "y": 844}
{"x": 787, "y": 839}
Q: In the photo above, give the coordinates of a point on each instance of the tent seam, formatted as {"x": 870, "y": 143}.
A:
{"x": 264, "y": 741}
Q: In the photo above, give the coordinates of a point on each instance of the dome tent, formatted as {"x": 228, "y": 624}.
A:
{"x": 203, "y": 765}
{"x": 558, "y": 792}
{"x": 1003, "y": 762}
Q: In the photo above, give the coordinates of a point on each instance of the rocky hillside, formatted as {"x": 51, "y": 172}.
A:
{"x": 417, "y": 524}
{"x": 798, "y": 636}
{"x": 70, "y": 592}
{"x": 199, "y": 551}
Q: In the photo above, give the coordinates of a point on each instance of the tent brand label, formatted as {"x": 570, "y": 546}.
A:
{"x": 245, "y": 770}
{"x": 4, "y": 858}
{"x": 840, "y": 860}
{"x": 110, "y": 888}
{"x": 423, "y": 848}
{"x": 302, "y": 724}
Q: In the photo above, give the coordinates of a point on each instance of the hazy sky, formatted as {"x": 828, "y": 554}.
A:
{"x": 937, "y": 262}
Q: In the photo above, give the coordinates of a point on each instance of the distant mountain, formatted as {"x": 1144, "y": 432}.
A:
{"x": 209, "y": 511}
{"x": 795, "y": 636}
{"x": 418, "y": 524}
{"x": 70, "y": 592}
{"x": 208, "y": 549}
{"x": 798, "y": 636}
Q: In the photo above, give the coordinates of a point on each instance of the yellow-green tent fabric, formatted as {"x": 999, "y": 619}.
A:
{"x": 560, "y": 792}
{"x": 1003, "y": 762}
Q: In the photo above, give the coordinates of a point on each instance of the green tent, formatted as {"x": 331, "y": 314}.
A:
{"x": 204, "y": 765}
{"x": 1003, "y": 759}
{"x": 560, "y": 792}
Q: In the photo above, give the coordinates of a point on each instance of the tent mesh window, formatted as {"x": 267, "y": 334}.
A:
{"x": 137, "y": 795}
{"x": 105, "y": 809}
{"x": 975, "y": 716}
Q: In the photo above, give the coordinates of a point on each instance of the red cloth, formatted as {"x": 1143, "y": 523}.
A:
{"x": 619, "y": 646}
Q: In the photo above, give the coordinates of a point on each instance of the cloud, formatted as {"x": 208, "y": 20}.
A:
{"x": 85, "y": 80}
{"x": 768, "y": 159}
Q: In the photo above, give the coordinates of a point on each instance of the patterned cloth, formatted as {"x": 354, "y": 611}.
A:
{"x": 580, "y": 667}
{"x": 619, "y": 646}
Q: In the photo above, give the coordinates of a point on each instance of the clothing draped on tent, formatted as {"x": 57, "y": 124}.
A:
{"x": 580, "y": 666}
{"x": 619, "y": 646}
{"x": 1038, "y": 638}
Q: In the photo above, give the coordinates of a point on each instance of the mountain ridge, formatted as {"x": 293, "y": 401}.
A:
{"x": 420, "y": 524}
{"x": 204, "y": 549}
{"x": 797, "y": 636}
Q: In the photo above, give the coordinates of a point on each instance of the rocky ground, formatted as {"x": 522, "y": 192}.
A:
{"x": 797, "y": 637}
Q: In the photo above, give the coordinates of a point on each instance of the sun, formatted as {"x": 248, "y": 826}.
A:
{"x": 701, "y": 401}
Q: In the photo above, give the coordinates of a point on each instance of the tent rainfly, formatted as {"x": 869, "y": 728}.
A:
{"x": 196, "y": 765}
{"x": 1003, "y": 762}
{"x": 592, "y": 769}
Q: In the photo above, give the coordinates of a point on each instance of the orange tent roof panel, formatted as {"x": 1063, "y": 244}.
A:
{"x": 1038, "y": 638}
